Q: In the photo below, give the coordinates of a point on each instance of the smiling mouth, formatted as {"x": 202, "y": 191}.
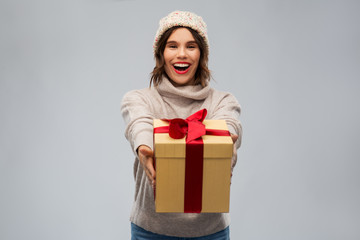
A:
{"x": 181, "y": 68}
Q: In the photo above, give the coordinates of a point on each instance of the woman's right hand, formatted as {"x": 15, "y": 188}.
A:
{"x": 146, "y": 157}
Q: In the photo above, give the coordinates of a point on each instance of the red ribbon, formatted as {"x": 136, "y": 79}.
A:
{"x": 193, "y": 129}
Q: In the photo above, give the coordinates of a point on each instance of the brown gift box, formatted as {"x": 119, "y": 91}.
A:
{"x": 170, "y": 170}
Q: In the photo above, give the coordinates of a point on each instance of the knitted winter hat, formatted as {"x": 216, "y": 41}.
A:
{"x": 181, "y": 18}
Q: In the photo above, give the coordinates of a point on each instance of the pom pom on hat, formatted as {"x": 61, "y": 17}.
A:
{"x": 184, "y": 19}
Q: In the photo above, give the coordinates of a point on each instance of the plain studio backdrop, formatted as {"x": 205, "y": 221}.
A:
{"x": 66, "y": 167}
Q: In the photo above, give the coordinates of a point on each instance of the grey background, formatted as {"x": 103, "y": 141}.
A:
{"x": 66, "y": 168}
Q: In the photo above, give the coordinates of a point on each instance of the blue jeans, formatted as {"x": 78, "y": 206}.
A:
{"x": 138, "y": 233}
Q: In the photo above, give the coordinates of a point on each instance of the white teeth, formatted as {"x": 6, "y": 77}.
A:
{"x": 181, "y": 65}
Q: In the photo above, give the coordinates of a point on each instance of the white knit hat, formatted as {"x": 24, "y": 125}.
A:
{"x": 184, "y": 19}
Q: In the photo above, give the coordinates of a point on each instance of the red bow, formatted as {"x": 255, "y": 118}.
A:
{"x": 191, "y": 127}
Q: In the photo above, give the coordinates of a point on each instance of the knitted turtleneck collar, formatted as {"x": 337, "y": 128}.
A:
{"x": 195, "y": 92}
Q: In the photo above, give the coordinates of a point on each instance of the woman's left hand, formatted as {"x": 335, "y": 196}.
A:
{"x": 234, "y": 138}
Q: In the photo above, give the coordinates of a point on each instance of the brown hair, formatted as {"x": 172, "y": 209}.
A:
{"x": 202, "y": 73}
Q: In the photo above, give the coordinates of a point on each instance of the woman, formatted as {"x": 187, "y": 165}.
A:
{"x": 181, "y": 87}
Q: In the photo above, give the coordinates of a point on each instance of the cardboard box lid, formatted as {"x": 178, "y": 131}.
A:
{"x": 214, "y": 146}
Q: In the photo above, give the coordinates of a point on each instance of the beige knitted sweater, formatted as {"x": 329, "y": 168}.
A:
{"x": 139, "y": 108}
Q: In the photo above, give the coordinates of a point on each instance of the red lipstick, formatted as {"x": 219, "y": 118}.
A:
{"x": 179, "y": 71}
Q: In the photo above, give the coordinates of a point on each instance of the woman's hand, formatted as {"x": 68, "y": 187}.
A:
{"x": 234, "y": 137}
{"x": 146, "y": 157}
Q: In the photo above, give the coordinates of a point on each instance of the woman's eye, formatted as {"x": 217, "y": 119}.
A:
{"x": 172, "y": 46}
{"x": 191, "y": 46}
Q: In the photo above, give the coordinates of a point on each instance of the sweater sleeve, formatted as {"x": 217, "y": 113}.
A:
{"x": 138, "y": 119}
{"x": 228, "y": 109}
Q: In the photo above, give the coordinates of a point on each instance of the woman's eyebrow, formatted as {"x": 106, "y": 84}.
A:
{"x": 189, "y": 42}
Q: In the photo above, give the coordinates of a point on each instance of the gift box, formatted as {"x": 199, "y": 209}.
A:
{"x": 193, "y": 170}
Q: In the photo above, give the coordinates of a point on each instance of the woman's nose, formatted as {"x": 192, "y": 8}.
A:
{"x": 182, "y": 52}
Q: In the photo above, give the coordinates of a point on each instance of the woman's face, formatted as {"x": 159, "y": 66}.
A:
{"x": 181, "y": 55}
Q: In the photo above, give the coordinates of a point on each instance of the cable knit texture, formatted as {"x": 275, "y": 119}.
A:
{"x": 139, "y": 108}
